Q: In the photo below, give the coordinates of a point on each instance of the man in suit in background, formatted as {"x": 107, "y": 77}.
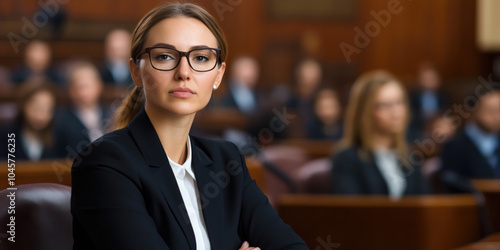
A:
{"x": 242, "y": 95}
{"x": 426, "y": 101}
{"x": 115, "y": 70}
{"x": 475, "y": 152}
{"x": 84, "y": 121}
{"x": 37, "y": 65}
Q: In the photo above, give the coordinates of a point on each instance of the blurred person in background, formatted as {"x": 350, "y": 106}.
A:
{"x": 439, "y": 129}
{"x": 33, "y": 127}
{"x": 244, "y": 76}
{"x": 37, "y": 65}
{"x": 308, "y": 77}
{"x": 426, "y": 101}
{"x": 327, "y": 123}
{"x": 245, "y": 99}
{"x": 475, "y": 151}
{"x": 115, "y": 70}
{"x": 374, "y": 158}
{"x": 84, "y": 120}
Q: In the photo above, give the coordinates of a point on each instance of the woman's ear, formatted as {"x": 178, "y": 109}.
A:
{"x": 134, "y": 72}
{"x": 220, "y": 75}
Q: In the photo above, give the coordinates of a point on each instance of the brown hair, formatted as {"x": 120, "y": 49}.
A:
{"x": 134, "y": 102}
{"x": 24, "y": 94}
{"x": 358, "y": 119}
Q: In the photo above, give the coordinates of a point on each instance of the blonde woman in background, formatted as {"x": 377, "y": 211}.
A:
{"x": 375, "y": 158}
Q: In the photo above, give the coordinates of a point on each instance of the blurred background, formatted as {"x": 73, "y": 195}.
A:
{"x": 288, "y": 103}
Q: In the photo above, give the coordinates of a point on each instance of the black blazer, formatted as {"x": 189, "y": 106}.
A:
{"x": 125, "y": 196}
{"x": 461, "y": 156}
{"x": 355, "y": 176}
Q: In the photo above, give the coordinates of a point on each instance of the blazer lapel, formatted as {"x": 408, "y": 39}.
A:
{"x": 148, "y": 142}
{"x": 482, "y": 166}
{"x": 375, "y": 181}
{"x": 210, "y": 188}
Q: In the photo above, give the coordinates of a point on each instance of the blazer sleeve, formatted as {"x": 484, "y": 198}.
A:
{"x": 345, "y": 178}
{"x": 109, "y": 210}
{"x": 260, "y": 223}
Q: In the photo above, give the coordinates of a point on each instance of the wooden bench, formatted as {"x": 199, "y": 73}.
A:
{"x": 491, "y": 242}
{"x": 491, "y": 192}
{"x": 27, "y": 172}
{"x": 373, "y": 222}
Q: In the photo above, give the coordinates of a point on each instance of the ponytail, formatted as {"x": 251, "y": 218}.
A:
{"x": 129, "y": 108}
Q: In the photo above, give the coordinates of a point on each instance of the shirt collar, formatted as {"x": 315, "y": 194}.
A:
{"x": 487, "y": 143}
{"x": 180, "y": 170}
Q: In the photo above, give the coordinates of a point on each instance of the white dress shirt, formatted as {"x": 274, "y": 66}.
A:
{"x": 244, "y": 98}
{"x": 33, "y": 147}
{"x": 388, "y": 165}
{"x": 91, "y": 119}
{"x": 486, "y": 143}
{"x": 186, "y": 181}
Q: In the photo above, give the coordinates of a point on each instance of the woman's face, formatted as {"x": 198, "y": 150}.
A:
{"x": 85, "y": 88}
{"x": 39, "y": 110}
{"x": 327, "y": 107}
{"x": 390, "y": 109}
{"x": 181, "y": 91}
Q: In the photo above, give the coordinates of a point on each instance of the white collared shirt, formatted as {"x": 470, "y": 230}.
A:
{"x": 388, "y": 165}
{"x": 244, "y": 98}
{"x": 91, "y": 119}
{"x": 186, "y": 181}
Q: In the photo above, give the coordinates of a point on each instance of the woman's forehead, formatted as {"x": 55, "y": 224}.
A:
{"x": 183, "y": 33}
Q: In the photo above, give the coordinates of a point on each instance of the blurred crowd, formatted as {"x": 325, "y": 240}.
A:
{"x": 58, "y": 109}
{"x": 380, "y": 127}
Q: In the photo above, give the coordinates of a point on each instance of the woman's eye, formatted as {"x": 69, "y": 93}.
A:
{"x": 164, "y": 57}
{"x": 200, "y": 58}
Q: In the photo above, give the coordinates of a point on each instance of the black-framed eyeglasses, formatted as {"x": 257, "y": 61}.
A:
{"x": 165, "y": 59}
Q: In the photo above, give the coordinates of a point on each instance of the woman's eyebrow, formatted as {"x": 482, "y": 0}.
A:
{"x": 164, "y": 45}
{"x": 173, "y": 47}
{"x": 200, "y": 47}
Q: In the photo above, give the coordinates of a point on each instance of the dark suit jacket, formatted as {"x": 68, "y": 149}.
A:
{"x": 355, "y": 176}
{"x": 56, "y": 151}
{"x": 229, "y": 100}
{"x": 72, "y": 133}
{"x": 125, "y": 196}
{"x": 22, "y": 74}
{"x": 418, "y": 121}
{"x": 107, "y": 77}
{"x": 461, "y": 156}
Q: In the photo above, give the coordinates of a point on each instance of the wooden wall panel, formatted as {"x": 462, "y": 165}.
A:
{"x": 440, "y": 31}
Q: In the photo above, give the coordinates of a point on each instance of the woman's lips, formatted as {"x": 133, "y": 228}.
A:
{"x": 182, "y": 92}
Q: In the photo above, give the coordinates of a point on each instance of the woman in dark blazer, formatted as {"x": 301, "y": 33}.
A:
{"x": 149, "y": 185}
{"x": 374, "y": 158}
{"x": 33, "y": 128}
